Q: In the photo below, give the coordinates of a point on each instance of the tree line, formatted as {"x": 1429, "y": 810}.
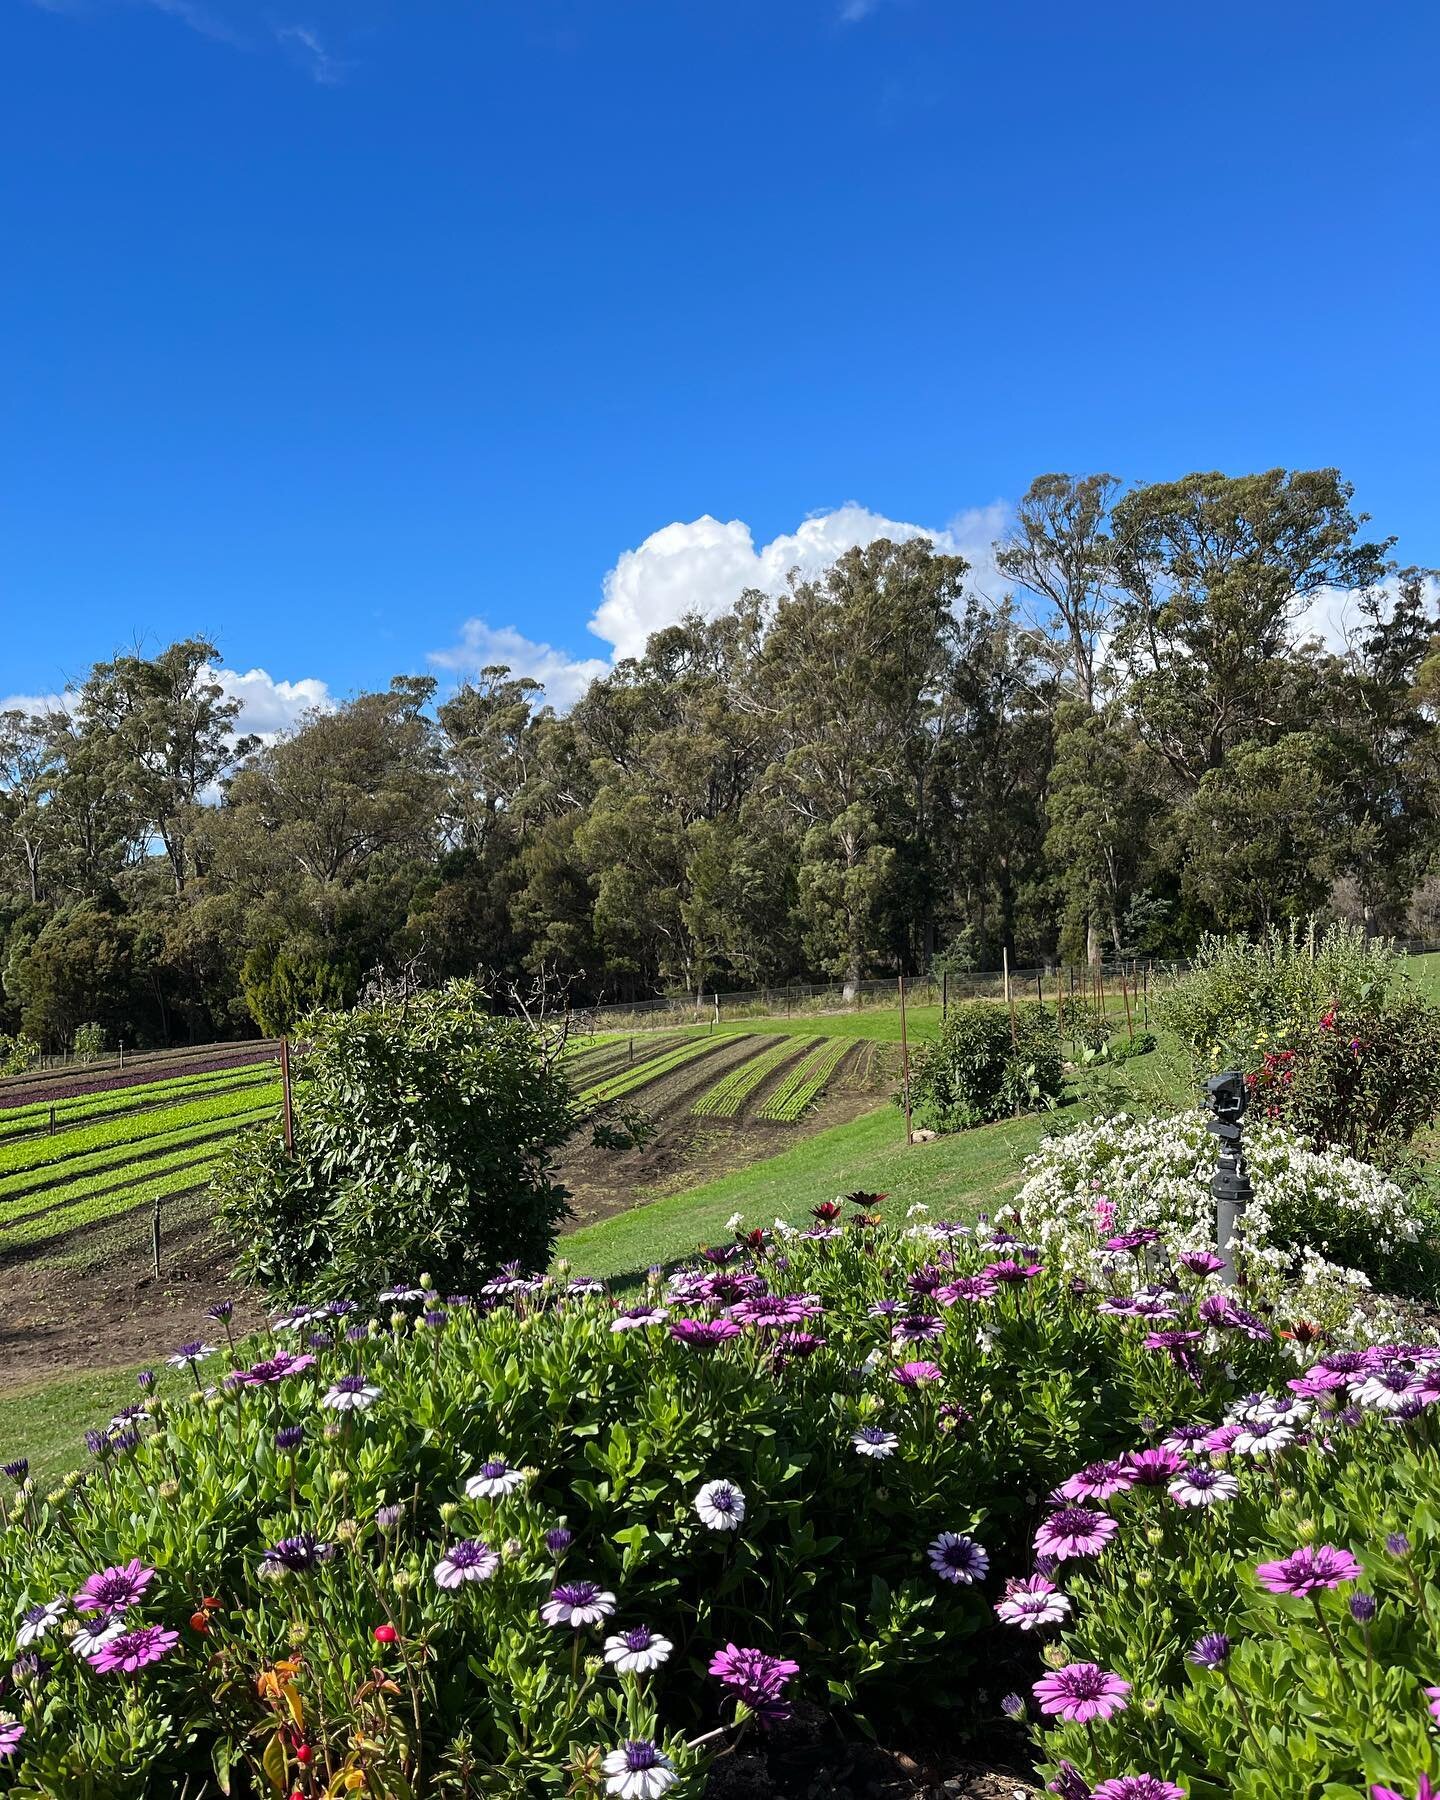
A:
{"x": 884, "y": 769}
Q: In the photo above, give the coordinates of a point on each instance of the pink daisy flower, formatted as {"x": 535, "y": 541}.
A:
{"x": 1081, "y": 1692}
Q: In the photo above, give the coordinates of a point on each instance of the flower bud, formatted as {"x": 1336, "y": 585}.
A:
{"x": 448, "y": 1510}
{"x": 339, "y": 1480}
{"x": 347, "y": 1531}
{"x": 168, "y": 1490}
{"x": 1055, "y": 1657}
{"x": 1143, "y": 1578}
{"x": 404, "y": 1581}
{"x": 1305, "y": 1531}
{"x": 299, "y": 1633}
{"x": 427, "y": 1282}
{"x": 385, "y": 1634}
{"x": 1155, "y": 1537}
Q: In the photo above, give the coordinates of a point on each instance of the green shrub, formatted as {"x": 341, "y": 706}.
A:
{"x": 89, "y": 1040}
{"x": 425, "y": 1133}
{"x": 1330, "y": 1037}
{"x": 974, "y": 1073}
{"x": 282, "y": 983}
{"x": 17, "y": 1053}
{"x": 613, "y": 1422}
{"x": 1282, "y": 1643}
{"x": 1084, "y": 1024}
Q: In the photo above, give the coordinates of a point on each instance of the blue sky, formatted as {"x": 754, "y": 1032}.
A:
{"x": 363, "y": 333}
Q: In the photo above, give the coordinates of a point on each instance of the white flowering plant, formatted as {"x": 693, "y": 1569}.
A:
{"x": 1321, "y": 1225}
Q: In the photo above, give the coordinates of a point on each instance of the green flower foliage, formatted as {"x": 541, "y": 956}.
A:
{"x": 610, "y": 1425}
{"x": 1304, "y": 1696}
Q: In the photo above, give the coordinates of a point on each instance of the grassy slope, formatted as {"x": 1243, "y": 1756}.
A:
{"x": 48, "y": 1423}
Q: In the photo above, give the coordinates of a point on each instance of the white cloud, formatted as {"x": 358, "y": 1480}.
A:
{"x": 324, "y": 68}
{"x": 1333, "y": 614}
{"x": 268, "y": 706}
{"x": 853, "y": 11}
{"x": 564, "y": 677}
{"x": 704, "y": 567}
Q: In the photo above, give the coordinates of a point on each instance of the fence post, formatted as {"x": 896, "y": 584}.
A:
{"x": 944, "y": 995}
{"x": 905, "y": 1064}
{"x": 287, "y": 1102}
{"x": 1129, "y": 1019}
{"x": 155, "y": 1237}
{"x": 1009, "y": 996}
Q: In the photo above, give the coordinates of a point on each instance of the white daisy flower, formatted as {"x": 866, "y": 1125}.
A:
{"x": 37, "y": 1621}
{"x": 721, "y": 1505}
{"x": 871, "y": 1440}
{"x": 637, "y": 1771}
{"x": 637, "y": 1652}
{"x": 495, "y": 1481}
{"x": 577, "y": 1604}
{"x": 351, "y": 1393}
{"x": 90, "y": 1638}
{"x": 470, "y": 1560}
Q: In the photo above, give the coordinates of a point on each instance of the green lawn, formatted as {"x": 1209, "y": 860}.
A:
{"x": 48, "y": 1423}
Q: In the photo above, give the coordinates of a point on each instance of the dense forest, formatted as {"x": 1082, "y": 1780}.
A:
{"x": 883, "y": 769}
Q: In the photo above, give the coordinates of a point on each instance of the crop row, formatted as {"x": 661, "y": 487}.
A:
{"x": 56, "y": 1179}
{"x": 735, "y": 1086}
{"x": 94, "y": 1208}
{"x": 46, "y": 1152}
{"x": 616, "y": 1086}
{"x": 803, "y": 1085}
{"x": 597, "y": 1061}
{"x": 84, "y": 1109}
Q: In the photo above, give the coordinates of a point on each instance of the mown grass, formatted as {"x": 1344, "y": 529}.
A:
{"x": 47, "y": 1422}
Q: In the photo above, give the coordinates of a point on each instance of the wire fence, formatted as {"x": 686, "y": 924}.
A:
{"x": 1110, "y": 985}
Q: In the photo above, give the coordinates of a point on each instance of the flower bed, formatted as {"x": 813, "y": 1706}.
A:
{"x": 537, "y": 1543}
{"x": 1320, "y": 1230}
{"x": 1256, "y": 1609}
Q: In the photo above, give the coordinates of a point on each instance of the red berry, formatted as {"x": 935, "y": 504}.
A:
{"x": 385, "y": 1634}
{"x": 303, "y": 1754}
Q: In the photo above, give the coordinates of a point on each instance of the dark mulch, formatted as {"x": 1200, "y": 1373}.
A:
{"x": 807, "y": 1759}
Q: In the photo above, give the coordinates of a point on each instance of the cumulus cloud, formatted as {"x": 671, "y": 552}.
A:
{"x": 1333, "y": 614}
{"x": 704, "y": 567}
{"x": 564, "y": 677}
{"x": 269, "y": 706}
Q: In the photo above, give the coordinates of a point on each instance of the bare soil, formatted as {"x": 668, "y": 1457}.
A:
{"x": 686, "y": 1151}
{"x": 90, "y": 1300}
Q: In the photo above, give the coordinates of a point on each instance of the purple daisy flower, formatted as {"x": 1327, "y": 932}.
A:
{"x": 1012, "y": 1273}
{"x": 974, "y": 1289}
{"x": 916, "y": 1374}
{"x": 917, "y": 1328}
{"x": 114, "y": 1589}
{"x": 1074, "y": 1531}
{"x": 133, "y": 1650}
{"x": 757, "y": 1679}
{"x": 703, "y": 1334}
{"x": 773, "y": 1312}
{"x": 1099, "y": 1480}
{"x": 1210, "y": 1651}
{"x": 1201, "y": 1262}
{"x": 275, "y": 1368}
{"x": 1138, "y": 1787}
{"x": 637, "y": 1318}
{"x": 957, "y": 1558}
{"x": 1154, "y": 1467}
{"x": 295, "y": 1555}
{"x": 11, "y": 1736}
{"x": 1081, "y": 1692}
{"x": 1308, "y": 1570}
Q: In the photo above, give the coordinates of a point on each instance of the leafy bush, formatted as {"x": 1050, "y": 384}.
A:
{"x": 425, "y": 1134}
{"x": 282, "y": 983}
{"x": 17, "y": 1053}
{"x": 1322, "y": 1225}
{"x": 828, "y": 1452}
{"x": 1328, "y": 1033}
{"x": 974, "y": 1073}
{"x": 89, "y": 1040}
{"x": 1084, "y": 1024}
{"x": 1282, "y": 1642}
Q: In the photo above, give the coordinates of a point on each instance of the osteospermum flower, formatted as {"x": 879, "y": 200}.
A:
{"x": 637, "y": 1771}
{"x": 1138, "y": 1787}
{"x": 955, "y": 1557}
{"x": 1031, "y": 1603}
{"x": 1099, "y": 1480}
{"x": 775, "y": 1311}
{"x": 1308, "y": 1570}
{"x": 973, "y": 1289}
{"x": 872, "y": 1440}
{"x": 637, "y": 1652}
{"x": 469, "y": 1560}
{"x": 1153, "y": 1467}
{"x": 721, "y": 1505}
{"x": 1201, "y": 1486}
{"x": 917, "y": 1328}
{"x": 1074, "y": 1531}
{"x": 1389, "y": 1390}
{"x": 275, "y": 1368}
{"x": 1081, "y": 1692}
{"x": 1425, "y": 1791}
{"x": 1263, "y": 1438}
{"x": 133, "y": 1650}
{"x": 36, "y": 1621}
{"x": 11, "y": 1735}
{"x": 495, "y": 1480}
{"x": 703, "y": 1334}
{"x": 351, "y": 1393}
{"x": 757, "y": 1679}
{"x": 578, "y": 1604}
{"x": 189, "y": 1354}
{"x": 916, "y": 1374}
{"x": 115, "y": 1589}
{"x": 90, "y": 1638}
{"x": 1209, "y": 1652}
{"x": 296, "y": 1555}
{"x": 637, "y": 1318}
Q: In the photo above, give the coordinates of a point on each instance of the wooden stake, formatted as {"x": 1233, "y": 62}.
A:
{"x": 1009, "y": 996}
{"x": 944, "y": 996}
{"x": 905, "y": 1064}
{"x": 1129, "y": 1019}
{"x": 155, "y": 1237}
{"x": 287, "y": 1099}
